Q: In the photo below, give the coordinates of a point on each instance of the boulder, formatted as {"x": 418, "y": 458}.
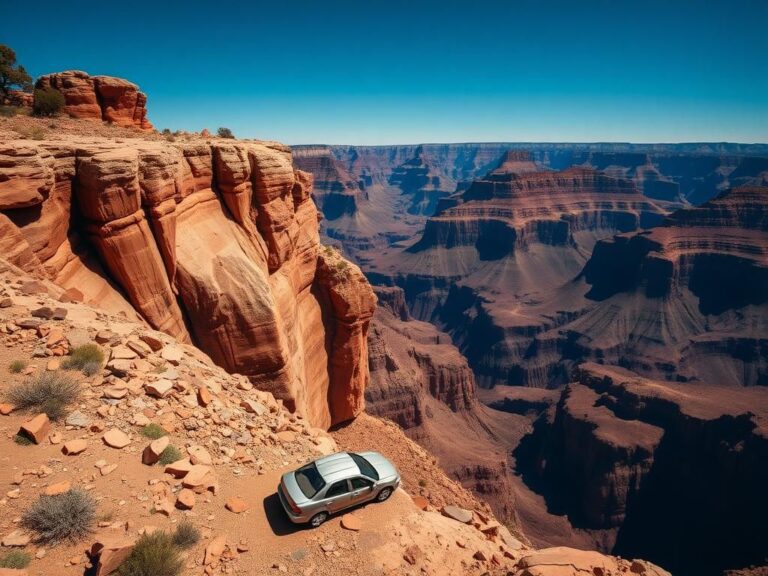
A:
{"x": 185, "y": 500}
{"x": 154, "y": 450}
{"x": 37, "y": 428}
{"x": 109, "y": 553}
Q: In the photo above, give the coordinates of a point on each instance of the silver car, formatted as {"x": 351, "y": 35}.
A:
{"x": 336, "y": 482}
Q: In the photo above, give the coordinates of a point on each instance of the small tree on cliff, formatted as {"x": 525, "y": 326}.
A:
{"x": 225, "y": 133}
{"x": 11, "y": 74}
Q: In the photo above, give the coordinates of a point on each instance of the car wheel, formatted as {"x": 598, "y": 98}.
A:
{"x": 318, "y": 519}
{"x": 384, "y": 494}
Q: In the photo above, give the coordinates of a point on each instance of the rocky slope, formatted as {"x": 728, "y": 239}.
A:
{"x": 618, "y": 452}
{"x": 234, "y": 442}
{"x": 214, "y": 242}
{"x": 102, "y": 98}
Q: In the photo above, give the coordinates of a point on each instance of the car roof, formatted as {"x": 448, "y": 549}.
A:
{"x": 337, "y": 467}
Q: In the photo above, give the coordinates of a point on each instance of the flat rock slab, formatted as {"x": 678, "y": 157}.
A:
{"x": 458, "y": 514}
{"x": 237, "y": 505}
{"x": 116, "y": 438}
{"x": 74, "y": 447}
{"x": 16, "y": 538}
{"x": 351, "y": 522}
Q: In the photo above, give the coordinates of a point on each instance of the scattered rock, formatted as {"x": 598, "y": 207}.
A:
{"x": 16, "y": 538}
{"x": 73, "y": 447}
{"x": 109, "y": 553}
{"x": 37, "y": 428}
{"x": 237, "y": 505}
{"x": 351, "y": 522}
{"x": 116, "y": 439}
{"x": 458, "y": 514}
{"x": 152, "y": 452}
{"x": 159, "y": 388}
{"x": 185, "y": 500}
{"x": 214, "y": 550}
{"x": 58, "y": 488}
{"x": 77, "y": 419}
{"x": 420, "y": 502}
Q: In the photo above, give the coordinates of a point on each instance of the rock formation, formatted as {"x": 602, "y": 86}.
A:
{"x": 493, "y": 255}
{"x": 215, "y": 243}
{"x": 619, "y": 452}
{"x": 401, "y": 185}
{"x": 99, "y": 98}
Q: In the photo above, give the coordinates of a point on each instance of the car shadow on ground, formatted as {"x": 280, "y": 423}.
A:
{"x": 282, "y": 526}
{"x": 277, "y": 518}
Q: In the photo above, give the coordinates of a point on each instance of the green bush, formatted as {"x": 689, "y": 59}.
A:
{"x": 170, "y": 455}
{"x": 17, "y": 366}
{"x": 48, "y": 102}
{"x": 23, "y": 440}
{"x": 17, "y": 559}
{"x": 155, "y": 554}
{"x": 84, "y": 355}
{"x": 186, "y": 535}
{"x": 153, "y": 431}
{"x": 224, "y": 133}
{"x": 67, "y": 516}
{"x": 49, "y": 392}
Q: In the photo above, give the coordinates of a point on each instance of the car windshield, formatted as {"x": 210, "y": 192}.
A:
{"x": 365, "y": 467}
{"x": 309, "y": 480}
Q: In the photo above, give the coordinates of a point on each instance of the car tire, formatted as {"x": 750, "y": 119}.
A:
{"x": 384, "y": 495}
{"x": 318, "y": 519}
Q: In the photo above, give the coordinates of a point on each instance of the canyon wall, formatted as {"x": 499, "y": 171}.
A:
{"x": 422, "y": 382}
{"x": 666, "y": 470}
{"x": 213, "y": 242}
{"x": 102, "y": 98}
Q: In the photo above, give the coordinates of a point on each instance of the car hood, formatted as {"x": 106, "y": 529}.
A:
{"x": 384, "y": 467}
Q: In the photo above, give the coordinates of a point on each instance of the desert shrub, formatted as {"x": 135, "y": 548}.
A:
{"x": 186, "y": 535}
{"x": 15, "y": 559}
{"x": 8, "y": 111}
{"x": 422, "y": 482}
{"x": 170, "y": 455}
{"x": 49, "y": 392}
{"x": 224, "y": 133}
{"x": 23, "y": 440}
{"x": 91, "y": 368}
{"x": 48, "y": 102}
{"x": 67, "y": 516}
{"x": 82, "y": 355}
{"x": 17, "y": 366}
{"x": 34, "y": 133}
{"x": 153, "y": 431}
{"x": 155, "y": 554}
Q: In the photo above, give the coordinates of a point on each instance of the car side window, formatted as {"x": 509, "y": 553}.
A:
{"x": 337, "y": 489}
{"x": 359, "y": 483}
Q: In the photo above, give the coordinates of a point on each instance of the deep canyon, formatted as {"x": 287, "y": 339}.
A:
{"x": 561, "y": 323}
{"x": 576, "y": 333}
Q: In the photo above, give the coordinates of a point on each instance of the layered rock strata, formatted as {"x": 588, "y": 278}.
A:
{"x": 215, "y": 243}
{"x": 103, "y": 98}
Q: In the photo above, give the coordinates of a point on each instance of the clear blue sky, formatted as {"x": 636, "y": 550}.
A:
{"x": 377, "y": 72}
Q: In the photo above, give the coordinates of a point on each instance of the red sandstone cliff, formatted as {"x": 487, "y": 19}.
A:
{"x": 211, "y": 242}
{"x": 100, "y": 98}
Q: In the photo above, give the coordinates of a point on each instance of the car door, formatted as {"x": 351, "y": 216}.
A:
{"x": 362, "y": 490}
{"x": 338, "y": 496}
